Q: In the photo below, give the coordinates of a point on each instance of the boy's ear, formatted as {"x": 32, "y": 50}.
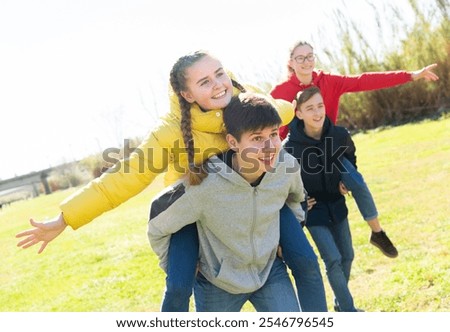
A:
{"x": 232, "y": 141}
{"x": 294, "y": 104}
{"x": 188, "y": 96}
{"x": 298, "y": 114}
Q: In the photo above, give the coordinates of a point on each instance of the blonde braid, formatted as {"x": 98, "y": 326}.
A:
{"x": 178, "y": 82}
{"x": 196, "y": 174}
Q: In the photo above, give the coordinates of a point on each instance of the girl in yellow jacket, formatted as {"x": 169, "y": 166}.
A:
{"x": 191, "y": 132}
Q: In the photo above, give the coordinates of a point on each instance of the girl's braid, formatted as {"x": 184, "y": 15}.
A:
{"x": 178, "y": 83}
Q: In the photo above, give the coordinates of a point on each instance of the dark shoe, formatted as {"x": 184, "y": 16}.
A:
{"x": 382, "y": 242}
{"x": 337, "y": 309}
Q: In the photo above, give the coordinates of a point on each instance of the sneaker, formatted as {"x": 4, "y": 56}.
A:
{"x": 382, "y": 242}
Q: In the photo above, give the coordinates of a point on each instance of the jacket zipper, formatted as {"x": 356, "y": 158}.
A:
{"x": 255, "y": 193}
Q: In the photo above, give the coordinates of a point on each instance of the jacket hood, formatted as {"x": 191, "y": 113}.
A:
{"x": 316, "y": 77}
{"x": 216, "y": 165}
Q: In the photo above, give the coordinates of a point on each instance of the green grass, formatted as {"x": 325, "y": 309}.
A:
{"x": 109, "y": 266}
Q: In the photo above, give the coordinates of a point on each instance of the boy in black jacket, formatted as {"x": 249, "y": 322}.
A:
{"x": 320, "y": 146}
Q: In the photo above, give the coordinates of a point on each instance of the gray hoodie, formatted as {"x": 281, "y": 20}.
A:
{"x": 238, "y": 224}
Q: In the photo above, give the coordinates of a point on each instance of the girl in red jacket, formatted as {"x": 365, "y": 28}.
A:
{"x": 303, "y": 75}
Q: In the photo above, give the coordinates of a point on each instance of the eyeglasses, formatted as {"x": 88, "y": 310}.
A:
{"x": 301, "y": 59}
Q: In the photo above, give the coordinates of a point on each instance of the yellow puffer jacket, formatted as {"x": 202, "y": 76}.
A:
{"x": 162, "y": 150}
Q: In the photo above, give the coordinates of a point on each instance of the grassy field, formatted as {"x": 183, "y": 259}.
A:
{"x": 109, "y": 266}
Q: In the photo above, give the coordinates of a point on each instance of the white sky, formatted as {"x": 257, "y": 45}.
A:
{"x": 79, "y": 76}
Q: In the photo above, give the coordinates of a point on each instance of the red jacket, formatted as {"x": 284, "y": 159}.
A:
{"x": 334, "y": 86}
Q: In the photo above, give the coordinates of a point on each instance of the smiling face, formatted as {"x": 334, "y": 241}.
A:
{"x": 305, "y": 55}
{"x": 312, "y": 112}
{"x": 207, "y": 84}
{"x": 256, "y": 151}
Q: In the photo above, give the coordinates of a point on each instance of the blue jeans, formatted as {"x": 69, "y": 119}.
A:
{"x": 355, "y": 183}
{"x": 181, "y": 267}
{"x": 334, "y": 243}
{"x": 301, "y": 259}
{"x": 277, "y": 294}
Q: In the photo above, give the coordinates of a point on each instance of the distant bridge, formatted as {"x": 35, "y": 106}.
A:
{"x": 27, "y": 182}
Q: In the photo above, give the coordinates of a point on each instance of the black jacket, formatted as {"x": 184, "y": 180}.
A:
{"x": 321, "y": 163}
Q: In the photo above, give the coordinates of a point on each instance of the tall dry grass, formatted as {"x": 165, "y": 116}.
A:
{"x": 426, "y": 41}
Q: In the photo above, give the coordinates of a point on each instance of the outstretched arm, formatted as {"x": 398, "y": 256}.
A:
{"x": 379, "y": 80}
{"x": 425, "y": 73}
{"x": 42, "y": 232}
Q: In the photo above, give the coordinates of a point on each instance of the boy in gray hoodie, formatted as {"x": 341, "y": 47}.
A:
{"x": 236, "y": 208}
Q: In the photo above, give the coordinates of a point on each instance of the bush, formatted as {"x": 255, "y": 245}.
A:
{"x": 68, "y": 175}
{"x": 426, "y": 42}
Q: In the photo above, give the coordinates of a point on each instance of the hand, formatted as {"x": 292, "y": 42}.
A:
{"x": 343, "y": 189}
{"x": 425, "y": 73}
{"x": 311, "y": 202}
{"x": 42, "y": 232}
{"x": 280, "y": 252}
